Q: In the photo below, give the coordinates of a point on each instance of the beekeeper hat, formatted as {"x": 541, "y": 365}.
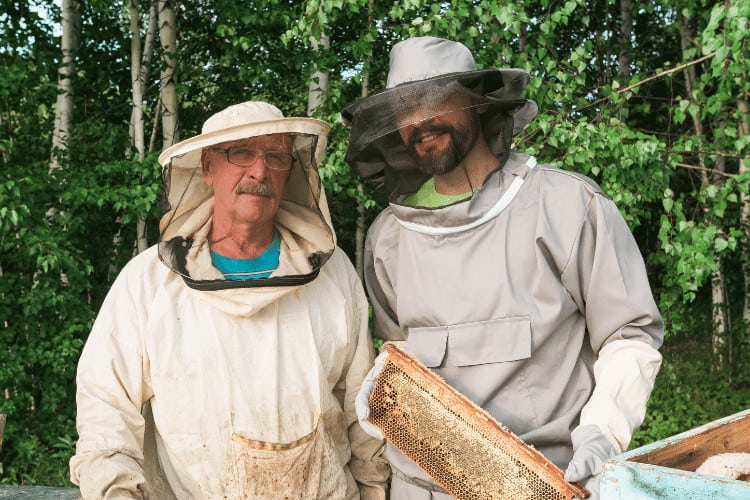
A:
{"x": 240, "y": 121}
{"x": 422, "y": 71}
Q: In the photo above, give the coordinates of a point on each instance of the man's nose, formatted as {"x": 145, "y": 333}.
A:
{"x": 257, "y": 169}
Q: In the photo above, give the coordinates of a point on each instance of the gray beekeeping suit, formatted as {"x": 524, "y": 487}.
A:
{"x": 530, "y": 297}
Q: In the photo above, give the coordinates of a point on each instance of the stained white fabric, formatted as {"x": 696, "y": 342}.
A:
{"x": 217, "y": 370}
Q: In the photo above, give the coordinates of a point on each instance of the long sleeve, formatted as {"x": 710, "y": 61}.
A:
{"x": 110, "y": 393}
{"x": 608, "y": 277}
{"x": 379, "y": 287}
{"x": 533, "y": 313}
{"x": 369, "y": 469}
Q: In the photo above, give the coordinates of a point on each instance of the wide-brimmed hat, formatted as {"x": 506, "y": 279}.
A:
{"x": 422, "y": 71}
{"x": 240, "y": 121}
{"x": 426, "y": 58}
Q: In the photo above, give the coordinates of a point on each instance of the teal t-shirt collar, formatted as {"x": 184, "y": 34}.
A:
{"x": 246, "y": 269}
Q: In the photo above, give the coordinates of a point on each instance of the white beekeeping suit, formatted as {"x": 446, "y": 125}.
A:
{"x": 250, "y": 383}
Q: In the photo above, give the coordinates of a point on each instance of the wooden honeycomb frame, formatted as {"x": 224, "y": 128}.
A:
{"x": 457, "y": 443}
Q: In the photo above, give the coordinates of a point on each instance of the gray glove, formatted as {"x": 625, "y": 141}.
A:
{"x": 592, "y": 485}
{"x": 590, "y": 450}
{"x": 362, "y": 401}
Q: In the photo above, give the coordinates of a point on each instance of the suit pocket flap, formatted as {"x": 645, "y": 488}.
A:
{"x": 427, "y": 344}
{"x": 493, "y": 341}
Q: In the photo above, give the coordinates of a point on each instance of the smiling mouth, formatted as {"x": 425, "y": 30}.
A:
{"x": 426, "y": 136}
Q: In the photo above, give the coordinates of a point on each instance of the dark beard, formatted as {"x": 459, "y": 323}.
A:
{"x": 460, "y": 144}
{"x": 439, "y": 162}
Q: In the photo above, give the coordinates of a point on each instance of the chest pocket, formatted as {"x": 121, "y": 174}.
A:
{"x": 467, "y": 344}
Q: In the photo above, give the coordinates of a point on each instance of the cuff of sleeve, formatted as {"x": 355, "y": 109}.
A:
{"x": 371, "y": 477}
{"x": 99, "y": 474}
{"x": 624, "y": 375}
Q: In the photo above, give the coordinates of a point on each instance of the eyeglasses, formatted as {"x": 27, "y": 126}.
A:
{"x": 244, "y": 157}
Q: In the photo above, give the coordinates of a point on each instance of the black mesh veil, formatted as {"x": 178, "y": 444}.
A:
{"x": 376, "y": 146}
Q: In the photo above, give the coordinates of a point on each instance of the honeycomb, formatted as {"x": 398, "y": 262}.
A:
{"x": 458, "y": 444}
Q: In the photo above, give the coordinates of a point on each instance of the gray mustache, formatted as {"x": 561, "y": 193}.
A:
{"x": 258, "y": 188}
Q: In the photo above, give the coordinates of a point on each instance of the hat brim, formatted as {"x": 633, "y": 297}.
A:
{"x": 504, "y": 84}
{"x": 186, "y": 154}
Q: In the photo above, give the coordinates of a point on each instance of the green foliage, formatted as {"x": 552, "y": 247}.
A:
{"x": 689, "y": 392}
{"x": 45, "y": 319}
{"x": 55, "y": 271}
{"x": 694, "y": 246}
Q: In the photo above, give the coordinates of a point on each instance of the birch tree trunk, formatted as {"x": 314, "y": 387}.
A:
{"x": 155, "y": 126}
{"x": 718, "y": 296}
{"x": 318, "y": 87}
{"x": 148, "y": 51}
{"x": 137, "y": 136}
{"x": 147, "y": 54}
{"x": 139, "y": 72}
{"x": 136, "y": 120}
{"x": 360, "y": 232}
{"x": 71, "y": 27}
{"x": 722, "y": 341}
{"x": 169, "y": 101}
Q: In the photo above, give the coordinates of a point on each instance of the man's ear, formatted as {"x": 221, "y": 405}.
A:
{"x": 206, "y": 167}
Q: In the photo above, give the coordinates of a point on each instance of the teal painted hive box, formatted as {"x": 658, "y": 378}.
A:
{"x": 666, "y": 469}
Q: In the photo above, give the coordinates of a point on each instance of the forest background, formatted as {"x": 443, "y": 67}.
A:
{"x": 650, "y": 99}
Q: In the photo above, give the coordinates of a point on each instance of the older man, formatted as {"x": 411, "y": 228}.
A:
{"x": 518, "y": 283}
{"x": 225, "y": 360}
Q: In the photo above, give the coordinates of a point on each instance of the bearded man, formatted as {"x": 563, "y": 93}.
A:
{"x": 518, "y": 283}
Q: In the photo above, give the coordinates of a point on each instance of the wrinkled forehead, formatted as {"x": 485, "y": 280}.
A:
{"x": 274, "y": 142}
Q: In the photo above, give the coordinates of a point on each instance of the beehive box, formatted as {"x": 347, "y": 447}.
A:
{"x": 666, "y": 469}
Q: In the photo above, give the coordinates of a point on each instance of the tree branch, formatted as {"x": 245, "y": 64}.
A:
{"x": 704, "y": 169}
{"x": 667, "y": 72}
